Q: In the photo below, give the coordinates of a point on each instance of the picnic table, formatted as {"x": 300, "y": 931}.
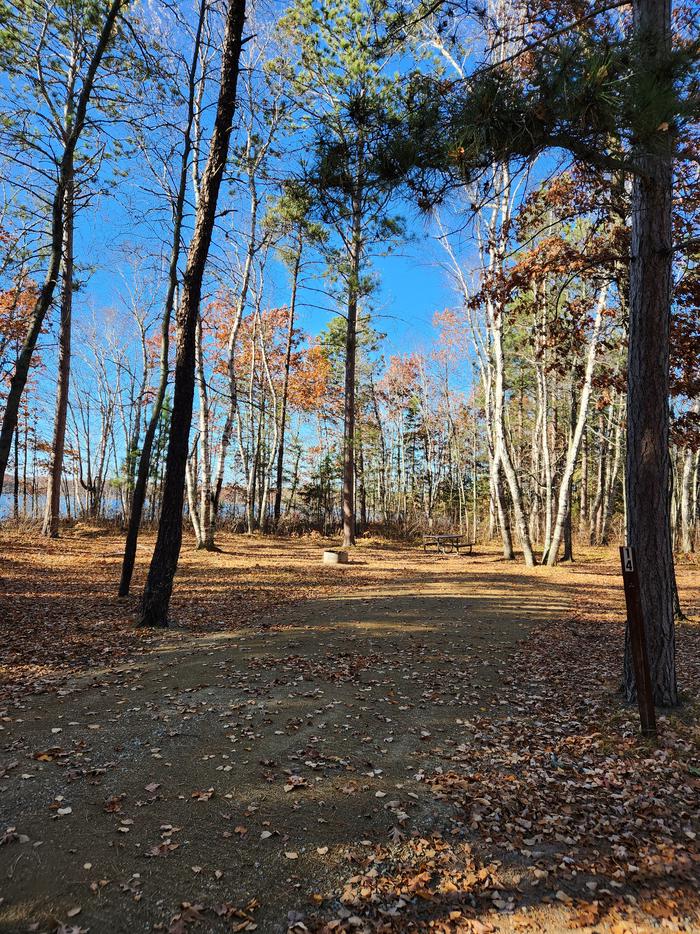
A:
{"x": 447, "y": 543}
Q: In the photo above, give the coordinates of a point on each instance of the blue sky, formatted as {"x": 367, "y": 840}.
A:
{"x": 412, "y": 284}
{"x": 116, "y": 227}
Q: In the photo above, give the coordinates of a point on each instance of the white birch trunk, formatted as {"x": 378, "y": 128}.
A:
{"x": 563, "y": 503}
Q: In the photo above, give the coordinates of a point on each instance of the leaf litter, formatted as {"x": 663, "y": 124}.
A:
{"x": 430, "y": 775}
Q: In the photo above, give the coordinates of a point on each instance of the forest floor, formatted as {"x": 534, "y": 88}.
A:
{"x": 406, "y": 743}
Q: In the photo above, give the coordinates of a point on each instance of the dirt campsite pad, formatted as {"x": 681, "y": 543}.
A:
{"x": 407, "y": 743}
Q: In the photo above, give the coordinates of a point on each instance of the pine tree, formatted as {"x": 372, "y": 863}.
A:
{"x": 348, "y": 105}
{"x": 618, "y": 104}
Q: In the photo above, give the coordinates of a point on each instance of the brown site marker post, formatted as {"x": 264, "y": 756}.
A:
{"x": 635, "y": 622}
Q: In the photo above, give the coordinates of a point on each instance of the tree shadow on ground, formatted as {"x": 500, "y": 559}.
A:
{"x": 360, "y": 697}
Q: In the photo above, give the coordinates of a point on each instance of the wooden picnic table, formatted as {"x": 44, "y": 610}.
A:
{"x": 447, "y": 543}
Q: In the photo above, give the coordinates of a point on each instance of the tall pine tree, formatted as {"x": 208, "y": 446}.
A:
{"x": 348, "y": 104}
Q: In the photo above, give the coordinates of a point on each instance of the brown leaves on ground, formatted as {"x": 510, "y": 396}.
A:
{"x": 522, "y": 797}
{"x": 240, "y": 918}
{"x": 60, "y": 614}
{"x": 564, "y": 800}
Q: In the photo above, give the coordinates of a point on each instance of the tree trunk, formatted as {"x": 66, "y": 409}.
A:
{"x": 568, "y": 537}
{"x": 384, "y": 466}
{"x": 694, "y": 491}
{"x": 564, "y": 499}
{"x": 597, "y": 503}
{"x": 568, "y": 554}
{"x": 362, "y": 489}
{"x": 15, "y": 486}
{"x": 498, "y": 508}
{"x": 687, "y": 522}
{"x": 250, "y": 490}
{"x": 232, "y": 412}
{"x": 648, "y": 461}
{"x": 285, "y": 389}
{"x": 45, "y": 296}
{"x": 498, "y": 496}
{"x": 295, "y": 481}
{"x": 141, "y": 485}
{"x": 583, "y": 502}
{"x": 535, "y": 460}
{"x": 24, "y": 465}
{"x": 272, "y": 441}
{"x": 58, "y": 443}
{"x": 546, "y": 465}
{"x": 191, "y": 488}
{"x": 206, "y": 512}
{"x": 475, "y": 525}
{"x": 156, "y": 597}
{"x": 611, "y": 485}
{"x": 502, "y": 449}
{"x": 349, "y": 400}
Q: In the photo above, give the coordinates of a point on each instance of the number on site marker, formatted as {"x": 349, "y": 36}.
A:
{"x": 627, "y": 561}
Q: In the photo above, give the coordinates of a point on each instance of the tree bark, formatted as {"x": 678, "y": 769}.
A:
{"x": 285, "y": 386}
{"x": 206, "y": 511}
{"x": 156, "y": 597}
{"x": 597, "y": 503}
{"x": 648, "y": 460}
{"x": 687, "y": 522}
{"x": 501, "y": 442}
{"x": 564, "y": 499}
{"x": 583, "y": 502}
{"x": 15, "y": 485}
{"x": 45, "y": 296}
{"x": 294, "y": 483}
{"x": 498, "y": 499}
{"x": 362, "y": 489}
{"x": 349, "y": 399}
{"x": 58, "y": 443}
{"x": 232, "y": 413}
{"x": 269, "y": 462}
{"x": 611, "y": 484}
{"x": 141, "y": 485}
{"x": 384, "y": 466}
{"x": 191, "y": 488}
{"x": 349, "y": 426}
{"x": 546, "y": 464}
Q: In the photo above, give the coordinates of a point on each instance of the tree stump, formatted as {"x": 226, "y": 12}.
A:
{"x": 335, "y": 557}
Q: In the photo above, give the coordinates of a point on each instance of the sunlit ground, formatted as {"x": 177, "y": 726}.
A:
{"x": 411, "y": 742}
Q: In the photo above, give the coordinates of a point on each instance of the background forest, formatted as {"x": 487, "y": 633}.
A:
{"x": 379, "y": 337}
